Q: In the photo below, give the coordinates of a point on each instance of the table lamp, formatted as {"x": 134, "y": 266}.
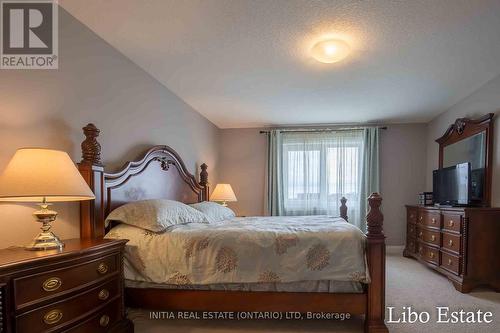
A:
{"x": 223, "y": 193}
{"x": 43, "y": 176}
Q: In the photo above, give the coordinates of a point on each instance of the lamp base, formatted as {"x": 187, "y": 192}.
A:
{"x": 46, "y": 240}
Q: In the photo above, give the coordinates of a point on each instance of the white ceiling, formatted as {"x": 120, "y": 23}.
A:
{"x": 245, "y": 63}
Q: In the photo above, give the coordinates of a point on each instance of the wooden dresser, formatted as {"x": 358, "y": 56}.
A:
{"x": 78, "y": 289}
{"x": 461, "y": 243}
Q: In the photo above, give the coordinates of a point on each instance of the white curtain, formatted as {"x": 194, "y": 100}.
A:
{"x": 311, "y": 171}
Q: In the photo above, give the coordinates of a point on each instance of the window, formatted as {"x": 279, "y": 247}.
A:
{"x": 300, "y": 183}
{"x": 318, "y": 169}
{"x": 309, "y": 172}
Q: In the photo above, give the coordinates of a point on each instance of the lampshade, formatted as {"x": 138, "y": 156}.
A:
{"x": 223, "y": 192}
{"x": 34, "y": 174}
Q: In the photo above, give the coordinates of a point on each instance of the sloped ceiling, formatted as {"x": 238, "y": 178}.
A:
{"x": 245, "y": 63}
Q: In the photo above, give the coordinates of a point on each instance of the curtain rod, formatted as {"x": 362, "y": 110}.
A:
{"x": 302, "y": 130}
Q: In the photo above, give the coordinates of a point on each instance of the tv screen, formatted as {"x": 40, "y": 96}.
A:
{"x": 452, "y": 185}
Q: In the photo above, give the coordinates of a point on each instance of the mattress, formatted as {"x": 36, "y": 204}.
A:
{"x": 314, "y": 253}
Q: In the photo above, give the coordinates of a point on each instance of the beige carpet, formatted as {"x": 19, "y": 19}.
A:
{"x": 408, "y": 284}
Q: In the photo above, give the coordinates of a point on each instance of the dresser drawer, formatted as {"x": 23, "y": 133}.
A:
{"x": 411, "y": 215}
{"x": 59, "y": 314}
{"x": 429, "y": 236}
{"x": 452, "y": 222}
{"x": 411, "y": 230}
{"x": 451, "y": 242}
{"x": 450, "y": 263}
{"x": 430, "y": 219}
{"x": 101, "y": 321}
{"x": 428, "y": 253}
{"x": 36, "y": 288}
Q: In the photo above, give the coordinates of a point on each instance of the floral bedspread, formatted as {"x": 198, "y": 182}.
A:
{"x": 247, "y": 250}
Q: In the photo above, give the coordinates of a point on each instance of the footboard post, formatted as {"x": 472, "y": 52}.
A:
{"x": 375, "y": 253}
{"x": 343, "y": 208}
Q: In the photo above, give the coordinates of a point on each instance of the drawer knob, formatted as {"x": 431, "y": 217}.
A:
{"x": 102, "y": 268}
{"x": 433, "y": 238}
{"x": 451, "y": 223}
{"x": 104, "y": 321}
{"x": 103, "y": 294}
{"x": 420, "y": 234}
{"x": 433, "y": 220}
{"x": 52, "y": 284}
{"x": 53, "y": 317}
{"x": 450, "y": 262}
{"x": 421, "y": 218}
{"x": 450, "y": 242}
{"x": 431, "y": 255}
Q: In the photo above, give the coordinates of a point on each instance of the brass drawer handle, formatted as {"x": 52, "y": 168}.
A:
{"x": 431, "y": 255}
{"x": 450, "y": 242}
{"x": 433, "y": 238}
{"x": 52, "y": 284}
{"x": 53, "y": 317}
{"x": 103, "y": 294}
{"x": 450, "y": 262}
{"x": 104, "y": 321}
{"x": 102, "y": 268}
{"x": 451, "y": 223}
{"x": 433, "y": 221}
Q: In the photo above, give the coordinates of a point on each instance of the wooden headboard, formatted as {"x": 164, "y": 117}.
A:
{"x": 158, "y": 173}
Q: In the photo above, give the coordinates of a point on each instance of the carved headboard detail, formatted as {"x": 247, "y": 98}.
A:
{"x": 158, "y": 174}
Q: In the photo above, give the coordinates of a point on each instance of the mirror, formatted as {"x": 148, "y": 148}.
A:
{"x": 471, "y": 140}
{"x": 471, "y": 149}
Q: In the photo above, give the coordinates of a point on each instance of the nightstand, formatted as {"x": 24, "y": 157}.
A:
{"x": 78, "y": 289}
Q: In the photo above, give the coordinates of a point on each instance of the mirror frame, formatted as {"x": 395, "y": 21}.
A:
{"x": 464, "y": 128}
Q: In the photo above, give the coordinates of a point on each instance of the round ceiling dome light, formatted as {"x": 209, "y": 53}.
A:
{"x": 330, "y": 51}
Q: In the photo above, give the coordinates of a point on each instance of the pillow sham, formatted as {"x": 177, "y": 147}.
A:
{"x": 156, "y": 215}
{"x": 215, "y": 212}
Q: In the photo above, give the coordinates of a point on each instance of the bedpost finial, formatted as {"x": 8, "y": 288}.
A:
{"x": 204, "y": 175}
{"x": 343, "y": 208}
{"x": 374, "y": 218}
{"x": 91, "y": 149}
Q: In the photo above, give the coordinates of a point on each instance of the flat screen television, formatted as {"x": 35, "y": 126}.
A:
{"x": 453, "y": 185}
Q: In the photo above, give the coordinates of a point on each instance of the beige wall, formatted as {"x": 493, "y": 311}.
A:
{"x": 402, "y": 159}
{"x": 484, "y": 100}
{"x": 402, "y": 176}
{"x": 242, "y": 163}
{"x": 94, "y": 83}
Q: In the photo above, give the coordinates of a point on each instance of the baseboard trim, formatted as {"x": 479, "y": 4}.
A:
{"x": 395, "y": 249}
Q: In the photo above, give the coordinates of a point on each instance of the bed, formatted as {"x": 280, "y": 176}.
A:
{"x": 355, "y": 285}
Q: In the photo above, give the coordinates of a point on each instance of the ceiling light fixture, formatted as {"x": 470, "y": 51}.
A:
{"x": 330, "y": 51}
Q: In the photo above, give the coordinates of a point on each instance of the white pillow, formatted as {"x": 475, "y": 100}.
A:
{"x": 215, "y": 212}
{"x": 156, "y": 215}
